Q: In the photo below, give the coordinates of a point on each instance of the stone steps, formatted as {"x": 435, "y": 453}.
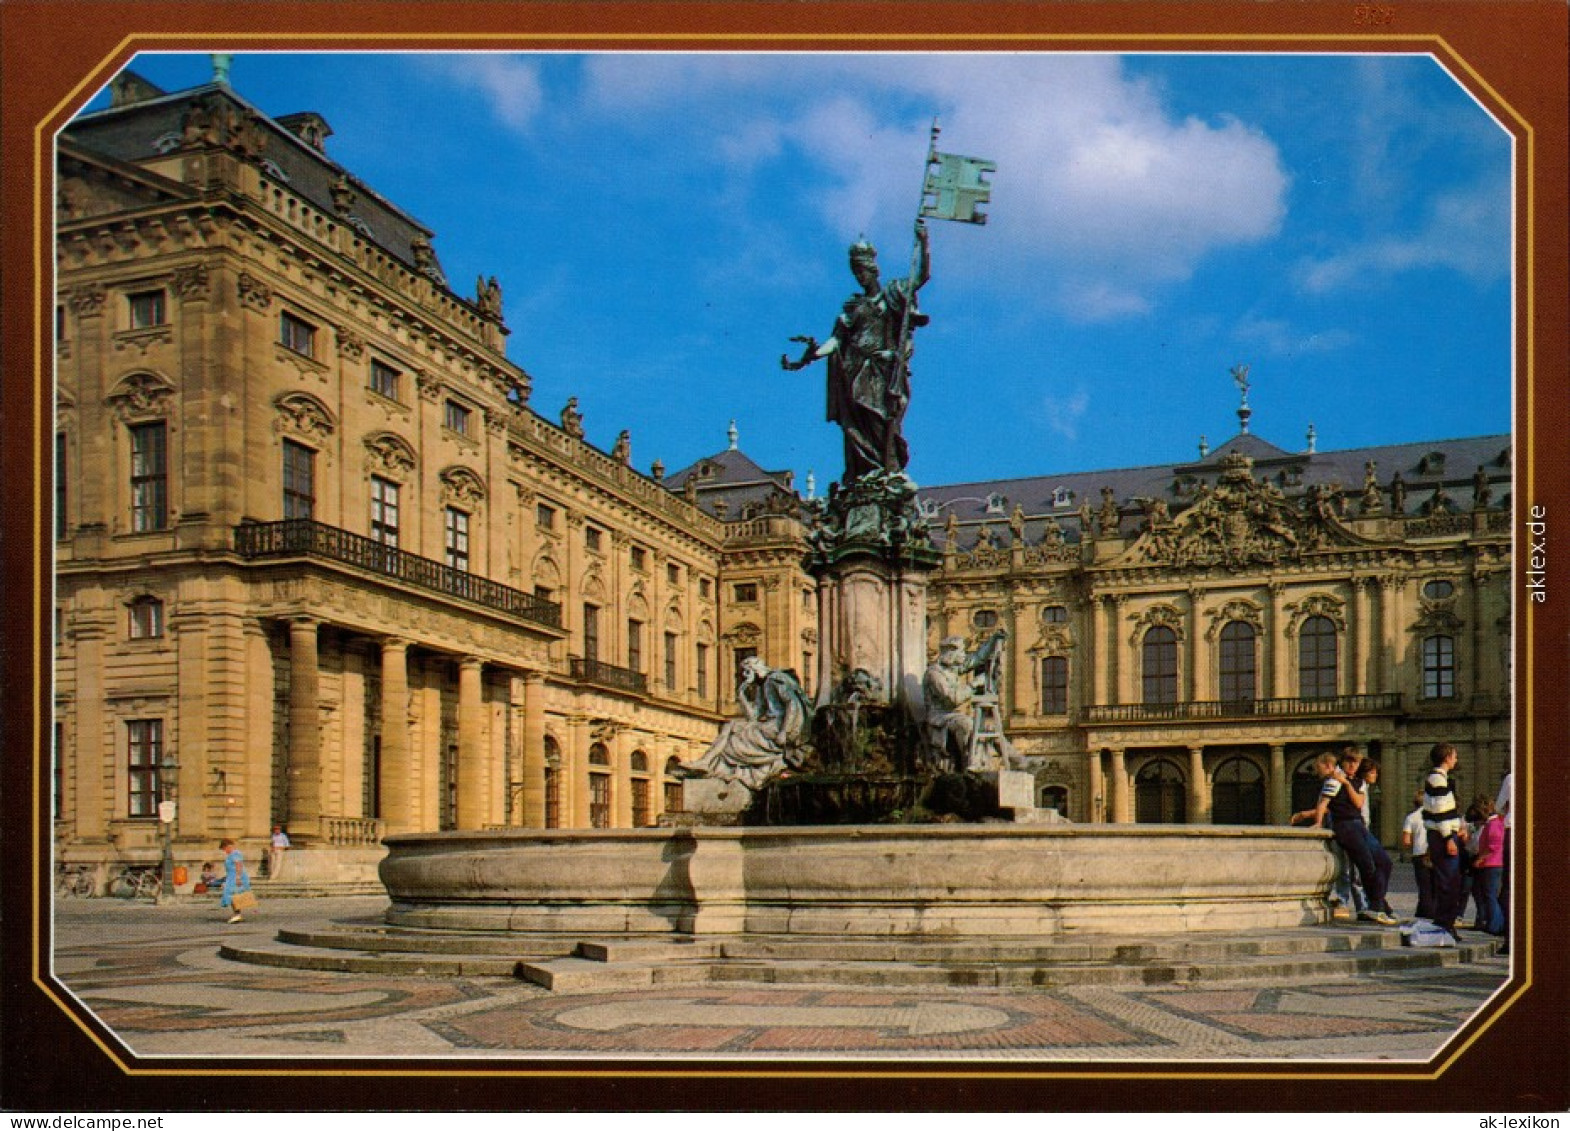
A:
{"x": 565, "y": 964}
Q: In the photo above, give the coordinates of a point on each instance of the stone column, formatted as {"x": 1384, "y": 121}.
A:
{"x": 1122, "y": 667}
{"x": 1277, "y": 662}
{"x": 1193, "y": 683}
{"x": 471, "y": 749}
{"x": 1358, "y": 678}
{"x": 398, "y": 779}
{"x": 1390, "y": 646}
{"x": 305, "y": 732}
{"x": 91, "y": 823}
{"x": 1122, "y": 811}
{"x": 533, "y": 761}
{"x": 1198, "y": 788}
{"x": 1483, "y": 680}
{"x": 1278, "y": 801}
{"x": 1099, "y": 656}
{"x": 575, "y": 775}
{"x": 1096, "y": 787}
{"x": 621, "y": 779}
{"x": 194, "y": 682}
{"x": 257, "y": 819}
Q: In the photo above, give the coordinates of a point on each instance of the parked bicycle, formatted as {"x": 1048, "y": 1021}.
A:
{"x": 139, "y": 881}
{"x": 75, "y": 880}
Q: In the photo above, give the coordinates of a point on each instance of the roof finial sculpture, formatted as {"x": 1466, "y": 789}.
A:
{"x": 733, "y": 435}
{"x": 1240, "y": 375}
{"x": 221, "y": 64}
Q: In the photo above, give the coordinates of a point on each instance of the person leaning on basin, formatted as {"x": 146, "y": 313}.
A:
{"x": 1343, "y": 806}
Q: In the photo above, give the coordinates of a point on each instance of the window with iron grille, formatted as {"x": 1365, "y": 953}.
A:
{"x": 149, "y": 476}
{"x": 1054, "y": 685}
{"x": 147, "y": 309}
{"x": 384, "y": 511}
{"x": 144, "y": 752}
{"x": 599, "y": 801}
{"x": 456, "y": 524}
{"x": 642, "y": 803}
{"x": 1316, "y": 658}
{"x": 299, "y": 480}
{"x": 296, "y": 334}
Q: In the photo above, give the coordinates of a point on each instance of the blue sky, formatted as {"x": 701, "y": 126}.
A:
{"x": 662, "y": 225}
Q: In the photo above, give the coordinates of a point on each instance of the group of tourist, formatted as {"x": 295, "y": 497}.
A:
{"x": 1456, "y": 854}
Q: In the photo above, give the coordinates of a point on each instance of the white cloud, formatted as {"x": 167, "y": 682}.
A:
{"x": 1064, "y": 414}
{"x": 1466, "y": 231}
{"x": 509, "y": 84}
{"x": 1279, "y": 338}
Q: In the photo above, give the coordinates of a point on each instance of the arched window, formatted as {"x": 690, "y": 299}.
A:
{"x": 672, "y": 785}
{"x": 1237, "y": 662}
{"x": 599, "y": 786}
{"x": 552, "y": 783}
{"x": 1054, "y": 614}
{"x": 1054, "y": 797}
{"x": 1160, "y": 797}
{"x": 1054, "y": 685}
{"x": 985, "y": 618}
{"x": 1305, "y": 785}
{"x": 642, "y": 790}
{"x": 1316, "y": 658}
{"x": 1238, "y": 794}
{"x": 1439, "y": 667}
{"x": 1159, "y": 666}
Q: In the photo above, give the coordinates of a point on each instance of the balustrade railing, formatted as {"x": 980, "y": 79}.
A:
{"x": 601, "y": 674}
{"x": 1244, "y": 709}
{"x": 352, "y": 832}
{"x": 300, "y": 536}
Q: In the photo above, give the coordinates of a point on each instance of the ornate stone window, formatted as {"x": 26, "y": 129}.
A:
{"x": 384, "y": 511}
{"x": 145, "y": 618}
{"x": 386, "y": 380}
{"x": 296, "y": 334}
{"x": 642, "y": 790}
{"x": 148, "y": 309}
{"x": 635, "y": 644}
{"x": 746, "y": 592}
{"x": 545, "y": 516}
{"x": 670, "y": 661}
{"x": 984, "y": 618}
{"x": 1158, "y": 665}
{"x": 1439, "y": 667}
{"x": 1054, "y": 614}
{"x": 299, "y": 481}
{"x": 457, "y": 418}
{"x": 1054, "y": 685}
{"x": 600, "y": 810}
{"x": 149, "y": 476}
{"x": 1438, "y": 590}
{"x": 1239, "y": 659}
{"x": 455, "y": 527}
{"x": 1316, "y": 658}
{"x": 672, "y": 785}
{"x": 701, "y": 670}
{"x": 552, "y": 783}
{"x": 593, "y": 539}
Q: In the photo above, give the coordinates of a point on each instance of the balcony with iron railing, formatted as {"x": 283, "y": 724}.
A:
{"x": 1223, "y": 710}
{"x": 600, "y": 674}
{"x": 303, "y": 537}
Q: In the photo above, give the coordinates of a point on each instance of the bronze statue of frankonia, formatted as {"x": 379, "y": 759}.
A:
{"x": 868, "y": 357}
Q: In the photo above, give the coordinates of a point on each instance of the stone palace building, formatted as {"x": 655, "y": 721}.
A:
{"x": 321, "y": 560}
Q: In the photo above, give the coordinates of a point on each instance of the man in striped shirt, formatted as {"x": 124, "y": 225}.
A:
{"x": 1442, "y": 820}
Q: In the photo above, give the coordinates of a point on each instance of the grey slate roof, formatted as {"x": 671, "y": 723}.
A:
{"x": 732, "y": 476}
{"x": 131, "y": 133}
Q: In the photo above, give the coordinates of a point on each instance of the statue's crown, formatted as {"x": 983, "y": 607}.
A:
{"x": 863, "y": 252}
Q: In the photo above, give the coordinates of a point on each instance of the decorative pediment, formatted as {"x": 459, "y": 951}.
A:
{"x": 1158, "y": 616}
{"x": 141, "y": 395}
{"x": 462, "y": 487}
{"x": 745, "y": 635}
{"x": 1245, "y": 611}
{"x": 1240, "y": 523}
{"x": 1055, "y": 640}
{"x": 389, "y": 455}
{"x": 303, "y": 415}
{"x": 1316, "y": 605}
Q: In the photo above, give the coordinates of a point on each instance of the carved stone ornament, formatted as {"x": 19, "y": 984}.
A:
{"x": 1239, "y": 523}
{"x": 389, "y": 456}
{"x": 1055, "y": 640}
{"x": 303, "y": 415}
{"x": 495, "y": 422}
{"x": 191, "y": 282}
{"x": 141, "y": 395}
{"x": 430, "y": 387}
{"x": 1245, "y": 611}
{"x": 350, "y": 344}
{"x": 744, "y": 635}
{"x": 253, "y": 292}
{"x": 462, "y": 487}
{"x": 1316, "y": 605}
{"x": 86, "y": 300}
{"x": 1158, "y": 616}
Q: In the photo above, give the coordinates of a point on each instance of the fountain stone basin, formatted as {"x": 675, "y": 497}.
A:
{"x": 989, "y": 880}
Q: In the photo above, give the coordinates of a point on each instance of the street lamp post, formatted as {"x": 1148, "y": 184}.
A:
{"x": 169, "y": 781}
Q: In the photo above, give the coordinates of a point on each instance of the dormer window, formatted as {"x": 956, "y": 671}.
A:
{"x": 1432, "y": 464}
{"x": 166, "y": 143}
{"x": 997, "y": 504}
{"x": 1062, "y": 497}
{"x": 270, "y": 168}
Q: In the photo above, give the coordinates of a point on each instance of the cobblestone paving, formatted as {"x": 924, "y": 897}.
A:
{"x": 153, "y": 975}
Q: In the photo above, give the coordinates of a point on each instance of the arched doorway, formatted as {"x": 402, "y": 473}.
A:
{"x": 1305, "y": 785}
{"x": 1160, "y": 796}
{"x": 1238, "y": 793}
{"x": 1054, "y": 797}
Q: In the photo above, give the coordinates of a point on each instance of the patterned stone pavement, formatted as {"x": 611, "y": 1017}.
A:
{"x": 152, "y": 974}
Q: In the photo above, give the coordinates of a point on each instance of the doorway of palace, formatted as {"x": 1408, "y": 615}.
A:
{"x": 1054, "y": 797}
{"x": 1160, "y": 795}
{"x": 1238, "y": 793}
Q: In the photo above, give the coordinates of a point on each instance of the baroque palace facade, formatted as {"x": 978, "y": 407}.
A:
{"x": 320, "y": 562}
